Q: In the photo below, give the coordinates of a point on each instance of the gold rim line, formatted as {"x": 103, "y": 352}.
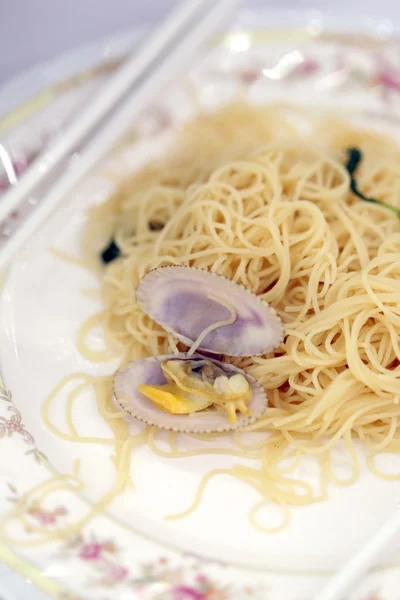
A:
{"x": 27, "y": 109}
{"x": 31, "y": 573}
{"x": 43, "y": 98}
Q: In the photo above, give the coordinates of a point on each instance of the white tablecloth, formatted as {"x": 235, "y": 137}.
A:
{"x": 32, "y": 31}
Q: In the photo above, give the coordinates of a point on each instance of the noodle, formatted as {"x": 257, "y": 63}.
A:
{"x": 231, "y": 319}
{"x": 246, "y": 196}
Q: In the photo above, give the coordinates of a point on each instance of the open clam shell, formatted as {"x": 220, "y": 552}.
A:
{"x": 186, "y": 301}
{"x": 148, "y": 371}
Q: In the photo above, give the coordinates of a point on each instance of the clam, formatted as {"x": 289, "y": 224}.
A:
{"x": 191, "y": 392}
{"x": 186, "y": 301}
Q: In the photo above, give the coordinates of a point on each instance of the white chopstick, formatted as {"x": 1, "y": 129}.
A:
{"x": 342, "y": 582}
{"x": 186, "y": 14}
{"x": 110, "y": 132}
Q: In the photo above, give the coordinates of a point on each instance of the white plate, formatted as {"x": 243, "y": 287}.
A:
{"x": 36, "y": 105}
{"x": 132, "y": 547}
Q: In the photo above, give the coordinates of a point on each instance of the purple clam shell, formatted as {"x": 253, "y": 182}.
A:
{"x": 148, "y": 371}
{"x": 176, "y": 297}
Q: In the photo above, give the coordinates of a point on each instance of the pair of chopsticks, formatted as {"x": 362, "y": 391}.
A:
{"x": 132, "y": 88}
{"x": 342, "y": 582}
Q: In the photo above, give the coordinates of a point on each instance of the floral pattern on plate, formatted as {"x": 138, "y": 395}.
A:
{"x": 101, "y": 558}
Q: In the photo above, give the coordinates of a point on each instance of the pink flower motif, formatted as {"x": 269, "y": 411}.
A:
{"x": 186, "y": 592}
{"x": 308, "y": 66}
{"x": 118, "y": 573}
{"x": 389, "y": 79}
{"x": 46, "y": 518}
{"x": 4, "y": 184}
{"x": 249, "y": 76}
{"x": 60, "y": 511}
{"x": 19, "y": 167}
{"x": 215, "y": 594}
{"x": 91, "y": 551}
{"x": 202, "y": 579}
{"x": 14, "y": 425}
{"x": 109, "y": 546}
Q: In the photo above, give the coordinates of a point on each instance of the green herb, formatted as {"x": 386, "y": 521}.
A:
{"x": 355, "y": 157}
